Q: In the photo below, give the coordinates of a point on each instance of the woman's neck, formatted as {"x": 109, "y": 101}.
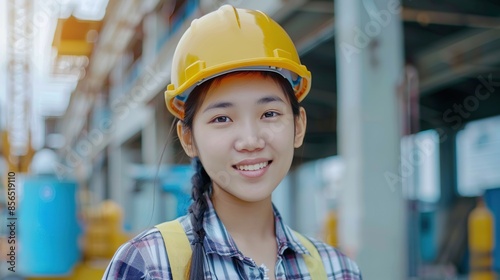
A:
{"x": 248, "y": 221}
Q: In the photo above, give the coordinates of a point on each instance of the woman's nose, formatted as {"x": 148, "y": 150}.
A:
{"x": 250, "y": 139}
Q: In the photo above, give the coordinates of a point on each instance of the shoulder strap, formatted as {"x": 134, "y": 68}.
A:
{"x": 177, "y": 246}
{"x": 176, "y": 241}
{"x": 314, "y": 263}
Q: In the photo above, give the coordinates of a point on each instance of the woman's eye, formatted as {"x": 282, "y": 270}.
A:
{"x": 221, "y": 119}
{"x": 270, "y": 114}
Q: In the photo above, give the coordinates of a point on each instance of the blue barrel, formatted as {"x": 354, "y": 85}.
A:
{"x": 48, "y": 227}
{"x": 492, "y": 199}
{"x": 428, "y": 244}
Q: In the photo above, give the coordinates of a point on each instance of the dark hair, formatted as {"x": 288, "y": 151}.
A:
{"x": 202, "y": 184}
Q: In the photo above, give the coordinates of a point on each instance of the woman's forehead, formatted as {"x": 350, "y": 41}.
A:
{"x": 245, "y": 87}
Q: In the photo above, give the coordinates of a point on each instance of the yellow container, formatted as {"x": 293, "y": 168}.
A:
{"x": 331, "y": 229}
{"x": 481, "y": 243}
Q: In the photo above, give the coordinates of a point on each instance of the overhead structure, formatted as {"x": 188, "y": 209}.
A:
{"x": 75, "y": 37}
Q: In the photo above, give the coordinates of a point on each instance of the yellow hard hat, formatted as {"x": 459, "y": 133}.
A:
{"x": 229, "y": 40}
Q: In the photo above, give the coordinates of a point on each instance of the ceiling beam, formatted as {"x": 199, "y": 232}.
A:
{"x": 461, "y": 56}
{"x": 426, "y": 17}
{"x": 316, "y": 37}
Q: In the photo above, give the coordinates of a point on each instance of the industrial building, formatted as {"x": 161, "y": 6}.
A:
{"x": 400, "y": 166}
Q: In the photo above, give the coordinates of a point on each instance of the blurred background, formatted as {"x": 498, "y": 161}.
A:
{"x": 400, "y": 168}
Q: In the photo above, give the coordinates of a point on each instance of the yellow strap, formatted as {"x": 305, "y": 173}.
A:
{"x": 178, "y": 248}
{"x": 313, "y": 262}
{"x": 178, "y": 245}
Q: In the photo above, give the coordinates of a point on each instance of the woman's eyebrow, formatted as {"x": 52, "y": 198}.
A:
{"x": 217, "y": 105}
{"x": 263, "y": 100}
{"x": 268, "y": 99}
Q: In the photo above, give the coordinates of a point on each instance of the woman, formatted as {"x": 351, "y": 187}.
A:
{"x": 236, "y": 86}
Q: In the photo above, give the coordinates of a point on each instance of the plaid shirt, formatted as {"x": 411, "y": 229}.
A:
{"x": 145, "y": 256}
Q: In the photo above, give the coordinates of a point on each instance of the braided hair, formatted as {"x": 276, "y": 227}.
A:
{"x": 201, "y": 185}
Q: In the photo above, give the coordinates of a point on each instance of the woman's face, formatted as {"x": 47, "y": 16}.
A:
{"x": 244, "y": 134}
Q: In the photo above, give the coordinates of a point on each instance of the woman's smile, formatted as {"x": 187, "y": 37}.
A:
{"x": 250, "y": 169}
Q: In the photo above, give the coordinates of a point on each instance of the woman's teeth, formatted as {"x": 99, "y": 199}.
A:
{"x": 252, "y": 167}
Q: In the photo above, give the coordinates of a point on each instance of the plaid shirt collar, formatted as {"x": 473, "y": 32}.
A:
{"x": 218, "y": 240}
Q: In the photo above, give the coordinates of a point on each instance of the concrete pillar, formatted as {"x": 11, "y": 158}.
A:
{"x": 116, "y": 190}
{"x": 149, "y": 150}
{"x": 369, "y": 51}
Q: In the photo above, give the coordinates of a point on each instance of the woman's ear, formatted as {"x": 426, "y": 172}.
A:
{"x": 300, "y": 128}
{"x": 185, "y": 136}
